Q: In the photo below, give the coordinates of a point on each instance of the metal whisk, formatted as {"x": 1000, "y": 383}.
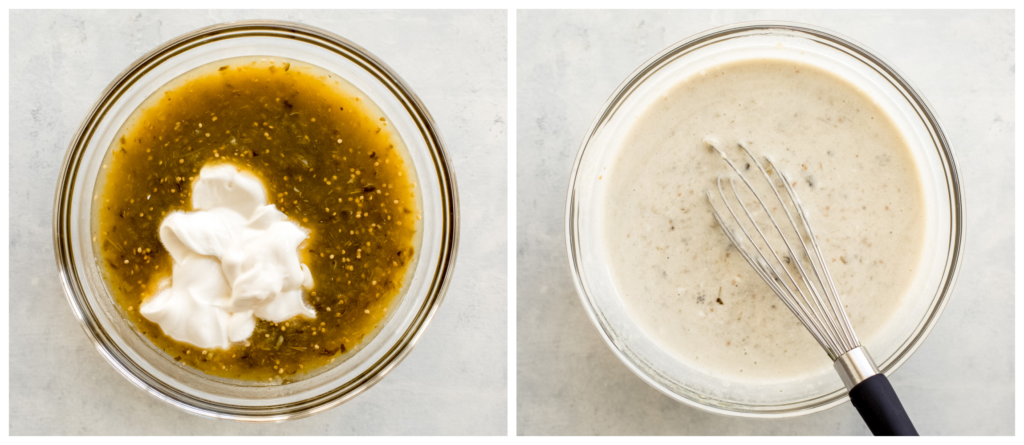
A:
{"x": 800, "y": 277}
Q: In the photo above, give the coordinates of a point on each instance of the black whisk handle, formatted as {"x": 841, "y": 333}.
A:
{"x": 882, "y": 411}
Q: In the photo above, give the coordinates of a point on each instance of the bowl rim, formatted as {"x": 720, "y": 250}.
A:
{"x": 950, "y": 170}
{"x": 449, "y": 225}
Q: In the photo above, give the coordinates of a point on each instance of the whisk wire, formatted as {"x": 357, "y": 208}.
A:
{"x": 838, "y": 311}
{"x": 818, "y": 308}
{"x": 837, "y": 332}
{"x": 802, "y": 303}
{"x": 806, "y": 310}
{"x": 766, "y": 271}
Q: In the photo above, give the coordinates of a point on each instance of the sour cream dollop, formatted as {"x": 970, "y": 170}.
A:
{"x": 236, "y": 259}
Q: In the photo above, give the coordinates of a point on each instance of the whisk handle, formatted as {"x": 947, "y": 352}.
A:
{"x": 881, "y": 410}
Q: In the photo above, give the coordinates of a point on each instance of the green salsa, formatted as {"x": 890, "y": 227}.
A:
{"x": 328, "y": 160}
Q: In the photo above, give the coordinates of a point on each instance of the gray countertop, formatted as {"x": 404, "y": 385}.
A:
{"x": 453, "y": 382}
{"x": 961, "y": 381}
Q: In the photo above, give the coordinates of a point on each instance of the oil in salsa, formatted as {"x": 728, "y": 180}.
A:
{"x": 328, "y": 160}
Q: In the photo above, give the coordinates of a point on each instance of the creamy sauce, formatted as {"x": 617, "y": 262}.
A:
{"x": 678, "y": 276}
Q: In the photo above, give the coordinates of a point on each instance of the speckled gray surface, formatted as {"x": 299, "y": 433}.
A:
{"x": 961, "y": 381}
{"x": 453, "y": 382}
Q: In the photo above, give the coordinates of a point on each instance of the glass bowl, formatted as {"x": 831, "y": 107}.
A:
{"x": 149, "y": 368}
{"x": 931, "y": 288}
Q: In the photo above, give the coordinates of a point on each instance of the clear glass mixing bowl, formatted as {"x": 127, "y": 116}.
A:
{"x": 152, "y": 370}
{"x": 929, "y": 292}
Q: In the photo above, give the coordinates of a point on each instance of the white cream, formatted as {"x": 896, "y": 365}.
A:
{"x": 236, "y": 259}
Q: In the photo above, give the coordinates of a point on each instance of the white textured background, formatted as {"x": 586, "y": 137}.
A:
{"x": 453, "y": 382}
{"x": 961, "y": 381}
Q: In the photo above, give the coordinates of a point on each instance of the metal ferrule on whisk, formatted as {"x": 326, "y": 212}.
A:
{"x": 855, "y": 366}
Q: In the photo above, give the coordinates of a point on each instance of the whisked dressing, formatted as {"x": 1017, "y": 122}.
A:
{"x": 852, "y": 169}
